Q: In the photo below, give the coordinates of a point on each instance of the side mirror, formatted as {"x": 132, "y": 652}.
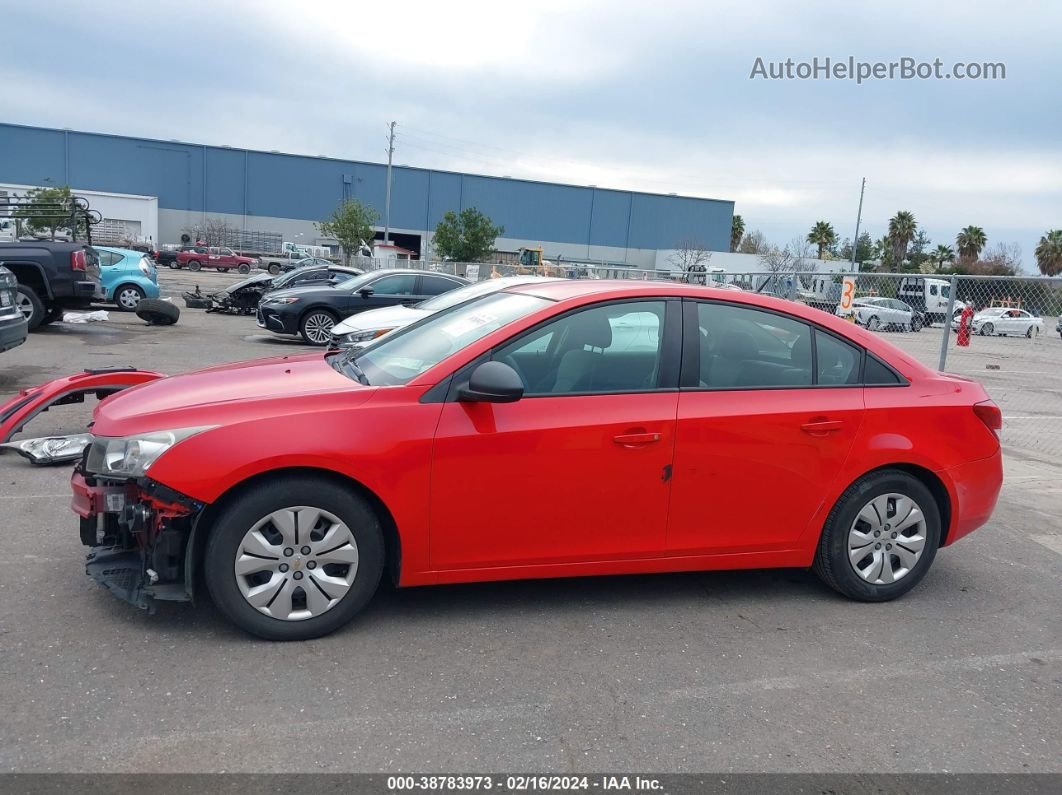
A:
{"x": 492, "y": 382}
{"x": 365, "y": 292}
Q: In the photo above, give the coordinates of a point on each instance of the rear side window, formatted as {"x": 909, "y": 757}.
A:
{"x": 747, "y": 349}
{"x": 838, "y": 361}
{"x": 436, "y": 285}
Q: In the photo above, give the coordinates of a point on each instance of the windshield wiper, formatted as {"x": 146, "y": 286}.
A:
{"x": 350, "y": 362}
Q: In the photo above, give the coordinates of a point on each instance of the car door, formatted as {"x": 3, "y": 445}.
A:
{"x": 761, "y": 431}
{"x": 576, "y": 470}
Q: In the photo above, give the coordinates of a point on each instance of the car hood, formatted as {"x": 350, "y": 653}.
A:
{"x": 303, "y": 292}
{"x": 227, "y": 393}
{"x": 385, "y": 317}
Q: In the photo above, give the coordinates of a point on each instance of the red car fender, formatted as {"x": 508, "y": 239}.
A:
{"x": 28, "y": 403}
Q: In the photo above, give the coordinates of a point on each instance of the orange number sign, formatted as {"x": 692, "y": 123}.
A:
{"x": 847, "y": 292}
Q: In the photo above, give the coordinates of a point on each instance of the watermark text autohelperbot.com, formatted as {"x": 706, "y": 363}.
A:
{"x": 864, "y": 71}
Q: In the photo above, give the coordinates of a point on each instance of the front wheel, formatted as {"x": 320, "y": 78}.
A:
{"x": 244, "y": 268}
{"x": 880, "y": 538}
{"x": 987, "y": 330}
{"x": 916, "y": 324}
{"x": 294, "y": 558}
{"x": 874, "y": 324}
{"x": 316, "y": 326}
{"x": 1031, "y": 332}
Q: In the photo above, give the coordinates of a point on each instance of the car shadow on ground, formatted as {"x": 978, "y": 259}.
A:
{"x": 509, "y": 603}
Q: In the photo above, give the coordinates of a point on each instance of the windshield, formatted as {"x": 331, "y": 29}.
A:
{"x": 413, "y": 350}
{"x": 946, "y": 291}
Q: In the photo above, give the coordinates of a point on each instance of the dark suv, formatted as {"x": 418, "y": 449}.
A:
{"x": 52, "y": 277}
{"x": 12, "y": 323}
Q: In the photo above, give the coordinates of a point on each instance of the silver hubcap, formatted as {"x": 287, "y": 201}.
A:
{"x": 24, "y": 306}
{"x": 887, "y": 539}
{"x": 319, "y": 328}
{"x": 129, "y": 298}
{"x": 296, "y": 563}
{"x": 874, "y": 324}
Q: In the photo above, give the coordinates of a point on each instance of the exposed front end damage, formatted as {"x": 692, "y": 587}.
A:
{"x": 139, "y": 533}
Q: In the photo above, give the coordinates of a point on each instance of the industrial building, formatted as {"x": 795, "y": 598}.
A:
{"x": 168, "y": 187}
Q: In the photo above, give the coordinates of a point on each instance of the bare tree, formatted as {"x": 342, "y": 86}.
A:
{"x": 212, "y": 231}
{"x": 753, "y": 242}
{"x": 691, "y": 257}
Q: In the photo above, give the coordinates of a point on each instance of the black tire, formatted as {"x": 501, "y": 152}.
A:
{"x": 195, "y": 265}
{"x": 274, "y": 268}
{"x": 916, "y": 323}
{"x": 52, "y": 315}
{"x": 987, "y": 330}
{"x": 158, "y": 313}
{"x": 1029, "y": 332}
{"x": 244, "y": 268}
{"x": 874, "y": 324}
{"x": 124, "y": 297}
{"x": 27, "y": 297}
{"x": 256, "y": 503}
{"x": 832, "y": 563}
{"x": 173, "y": 264}
{"x": 312, "y": 321}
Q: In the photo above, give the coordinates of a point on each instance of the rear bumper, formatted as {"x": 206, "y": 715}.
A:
{"x": 13, "y": 332}
{"x": 975, "y": 488}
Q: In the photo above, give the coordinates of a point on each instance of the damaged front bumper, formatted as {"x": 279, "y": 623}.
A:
{"x": 141, "y": 537}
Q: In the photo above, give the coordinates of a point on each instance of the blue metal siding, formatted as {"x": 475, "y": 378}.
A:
{"x": 218, "y": 179}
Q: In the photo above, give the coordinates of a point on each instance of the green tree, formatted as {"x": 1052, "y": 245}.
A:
{"x": 970, "y": 241}
{"x": 466, "y": 237}
{"x": 942, "y": 254}
{"x": 1049, "y": 253}
{"x": 350, "y": 225}
{"x": 753, "y": 243}
{"x": 919, "y": 253}
{"x": 864, "y": 251}
{"x": 822, "y": 235}
{"x": 48, "y": 210}
{"x": 902, "y": 229}
{"x": 737, "y": 231}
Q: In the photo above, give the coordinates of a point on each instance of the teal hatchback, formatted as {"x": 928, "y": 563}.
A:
{"x": 127, "y": 277}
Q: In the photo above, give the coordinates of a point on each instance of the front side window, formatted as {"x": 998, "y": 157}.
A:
{"x": 398, "y": 284}
{"x": 742, "y": 348}
{"x": 609, "y": 348}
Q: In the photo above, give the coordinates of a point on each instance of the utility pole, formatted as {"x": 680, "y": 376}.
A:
{"x": 859, "y": 217}
{"x": 387, "y": 199}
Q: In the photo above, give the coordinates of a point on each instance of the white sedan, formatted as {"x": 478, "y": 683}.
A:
{"x": 1004, "y": 322}
{"x": 879, "y": 314}
{"x": 359, "y": 330}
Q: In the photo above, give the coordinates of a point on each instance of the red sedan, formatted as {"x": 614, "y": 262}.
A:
{"x": 558, "y": 429}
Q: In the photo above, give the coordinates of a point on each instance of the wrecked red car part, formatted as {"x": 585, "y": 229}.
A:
{"x": 141, "y": 537}
{"x": 28, "y": 403}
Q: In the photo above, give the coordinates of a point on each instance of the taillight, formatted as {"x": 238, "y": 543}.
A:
{"x": 990, "y": 415}
{"x": 77, "y": 260}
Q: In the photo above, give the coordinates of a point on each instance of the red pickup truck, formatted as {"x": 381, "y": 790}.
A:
{"x": 219, "y": 257}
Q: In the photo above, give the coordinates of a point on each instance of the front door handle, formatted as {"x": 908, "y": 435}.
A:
{"x": 636, "y": 439}
{"x": 820, "y": 427}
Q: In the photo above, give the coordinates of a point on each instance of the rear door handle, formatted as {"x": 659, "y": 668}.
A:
{"x": 819, "y": 427}
{"x": 636, "y": 439}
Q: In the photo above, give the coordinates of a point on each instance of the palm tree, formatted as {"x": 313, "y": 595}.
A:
{"x": 942, "y": 254}
{"x": 823, "y": 236}
{"x": 970, "y": 241}
{"x": 737, "y": 231}
{"x": 1049, "y": 253}
{"x": 902, "y": 228}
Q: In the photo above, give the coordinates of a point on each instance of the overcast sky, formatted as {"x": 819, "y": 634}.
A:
{"x": 652, "y": 96}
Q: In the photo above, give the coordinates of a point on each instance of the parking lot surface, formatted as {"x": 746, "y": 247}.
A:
{"x": 737, "y": 671}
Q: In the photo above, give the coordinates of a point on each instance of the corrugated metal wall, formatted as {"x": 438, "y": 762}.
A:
{"x": 222, "y": 180}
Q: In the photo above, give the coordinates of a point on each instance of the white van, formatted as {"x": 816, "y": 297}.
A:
{"x": 928, "y": 296}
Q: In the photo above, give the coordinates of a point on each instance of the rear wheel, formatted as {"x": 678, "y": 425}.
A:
{"x": 194, "y": 265}
{"x": 880, "y": 538}
{"x": 316, "y": 326}
{"x": 31, "y": 306}
{"x": 274, "y": 268}
{"x": 128, "y": 297}
{"x": 294, "y": 558}
{"x": 916, "y": 323}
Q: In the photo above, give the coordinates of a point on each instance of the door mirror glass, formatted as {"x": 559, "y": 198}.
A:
{"x": 492, "y": 382}
{"x": 365, "y": 292}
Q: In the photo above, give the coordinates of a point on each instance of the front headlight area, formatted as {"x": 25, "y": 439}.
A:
{"x": 364, "y": 336}
{"x": 132, "y": 456}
